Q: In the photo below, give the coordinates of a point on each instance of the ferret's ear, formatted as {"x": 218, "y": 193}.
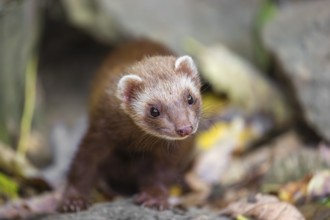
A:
{"x": 127, "y": 87}
{"x": 186, "y": 64}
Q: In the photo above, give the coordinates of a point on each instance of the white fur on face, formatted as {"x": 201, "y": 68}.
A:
{"x": 187, "y": 83}
{"x": 166, "y": 92}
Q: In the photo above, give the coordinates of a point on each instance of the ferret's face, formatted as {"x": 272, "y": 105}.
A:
{"x": 169, "y": 109}
{"x": 165, "y": 101}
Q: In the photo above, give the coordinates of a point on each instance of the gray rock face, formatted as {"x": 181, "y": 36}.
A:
{"x": 124, "y": 209}
{"x": 171, "y": 22}
{"x": 299, "y": 40}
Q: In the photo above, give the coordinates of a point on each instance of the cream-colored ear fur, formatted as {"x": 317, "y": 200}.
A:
{"x": 186, "y": 63}
{"x": 126, "y": 87}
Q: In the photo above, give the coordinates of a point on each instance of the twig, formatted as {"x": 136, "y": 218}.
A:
{"x": 29, "y": 105}
{"x": 15, "y": 163}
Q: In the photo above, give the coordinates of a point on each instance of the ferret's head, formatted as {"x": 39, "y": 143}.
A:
{"x": 162, "y": 96}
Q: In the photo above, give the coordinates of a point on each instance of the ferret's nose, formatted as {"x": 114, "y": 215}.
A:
{"x": 184, "y": 131}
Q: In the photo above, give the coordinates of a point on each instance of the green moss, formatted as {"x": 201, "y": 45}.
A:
{"x": 267, "y": 11}
{"x": 8, "y": 187}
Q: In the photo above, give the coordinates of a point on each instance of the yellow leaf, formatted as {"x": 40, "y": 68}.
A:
{"x": 175, "y": 190}
{"x": 207, "y": 139}
{"x": 241, "y": 217}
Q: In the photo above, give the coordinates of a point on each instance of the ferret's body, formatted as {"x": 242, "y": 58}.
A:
{"x": 141, "y": 125}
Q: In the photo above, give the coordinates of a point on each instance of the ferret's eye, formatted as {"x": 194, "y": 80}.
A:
{"x": 154, "y": 112}
{"x": 190, "y": 100}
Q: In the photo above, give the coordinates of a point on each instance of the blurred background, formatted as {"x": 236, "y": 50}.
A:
{"x": 265, "y": 68}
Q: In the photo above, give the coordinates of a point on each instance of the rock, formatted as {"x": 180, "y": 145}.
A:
{"x": 171, "y": 22}
{"x": 245, "y": 86}
{"x": 125, "y": 209}
{"x": 287, "y": 2}
{"x": 298, "y": 39}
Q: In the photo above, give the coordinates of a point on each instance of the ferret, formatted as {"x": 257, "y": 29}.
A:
{"x": 144, "y": 110}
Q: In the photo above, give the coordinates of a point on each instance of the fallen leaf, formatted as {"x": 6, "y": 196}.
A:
{"x": 295, "y": 191}
{"x": 263, "y": 207}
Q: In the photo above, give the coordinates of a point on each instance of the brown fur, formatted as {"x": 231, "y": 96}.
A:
{"x": 116, "y": 148}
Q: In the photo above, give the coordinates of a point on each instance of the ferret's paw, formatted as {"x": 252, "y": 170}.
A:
{"x": 146, "y": 200}
{"x": 73, "y": 204}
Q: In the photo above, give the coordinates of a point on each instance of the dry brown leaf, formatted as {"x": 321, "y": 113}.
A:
{"x": 312, "y": 186}
{"x": 294, "y": 191}
{"x": 263, "y": 207}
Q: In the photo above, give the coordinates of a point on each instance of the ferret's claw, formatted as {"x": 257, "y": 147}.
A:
{"x": 146, "y": 200}
{"x": 73, "y": 204}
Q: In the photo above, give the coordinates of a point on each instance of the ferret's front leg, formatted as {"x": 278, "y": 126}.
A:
{"x": 153, "y": 196}
{"x": 154, "y": 185}
{"x": 84, "y": 172}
